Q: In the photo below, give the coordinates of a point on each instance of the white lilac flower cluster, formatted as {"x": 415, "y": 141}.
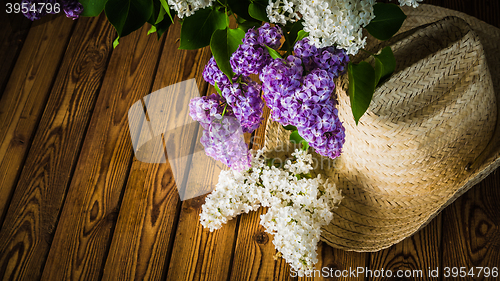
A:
{"x": 283, "y": 11}
{"x": 185, "y": 8}
{"x": 413, "y": 3}
{"x": 299, "y": 205}
{"x": 329, "y": 22}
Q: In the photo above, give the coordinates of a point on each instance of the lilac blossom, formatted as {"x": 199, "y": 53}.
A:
{"x": 269, "y": 36}
{"x": 249, "y": 59}
{"x": 222, "y": 135}
{"x": 223, "y": 140}
{"x": 299, "y": 92}
{"x": 72, "y": 8}
{"x": 244, "y": 98}
{"x": 212, "y": 74}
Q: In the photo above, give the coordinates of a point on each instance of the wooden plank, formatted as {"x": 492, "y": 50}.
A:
{"x": 198, "y": 254}
{"x": 90, "y": 211}
{"x": 333, "y": 264}
{"x": 15, "y": 28}
{"x": 144, "y": 234}
{"x": 413, "y": 256}
{"x": 254, "y": 251}
{"x": 32, "y": 217}
{"x": 471, "y": 235}
{"x": 338, "y": 262}
{"x": 25, "y": 96}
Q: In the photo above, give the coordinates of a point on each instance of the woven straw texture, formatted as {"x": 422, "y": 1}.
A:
{"x": 429, "y": 135}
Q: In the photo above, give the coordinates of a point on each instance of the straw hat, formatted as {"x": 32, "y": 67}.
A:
{"x": 429, "y": 135}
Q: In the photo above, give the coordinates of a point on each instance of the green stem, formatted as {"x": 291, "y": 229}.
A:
{"x": 225, "y": 9}
{"x": 224, "y": 111}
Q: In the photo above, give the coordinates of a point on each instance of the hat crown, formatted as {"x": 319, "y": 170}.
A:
{"x": 406, "y": 160}
{"x": 433, "y": 116}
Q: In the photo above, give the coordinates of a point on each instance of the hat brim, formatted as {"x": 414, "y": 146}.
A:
{"x": 368, "y": 221}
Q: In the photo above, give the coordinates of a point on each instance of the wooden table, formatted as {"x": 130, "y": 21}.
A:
{"x": 75, "y": 203}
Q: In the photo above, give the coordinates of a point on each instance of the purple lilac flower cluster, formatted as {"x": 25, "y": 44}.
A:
{"x": 299, "y": 90}
{"x": 244, "y": 98}
{"x": 252, "y": 55}
{"x": 72, "y": 8}
{"x": 222, "y": 137}
{"x": 204, "y": 109}
{"x": 223, "y": 141}
{"x": 242, "y": 95}
{"x": 243, "y": 105}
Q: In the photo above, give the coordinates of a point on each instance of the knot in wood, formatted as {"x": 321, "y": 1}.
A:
{"x": 261, "y": 237}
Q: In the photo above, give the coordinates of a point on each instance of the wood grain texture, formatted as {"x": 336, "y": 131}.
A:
{"x": 339, "y": 262}
{"x": 13, "y": 32}
{"x": 471, "y": 229}
{"x": 157, "y": 236}
{"x": 90, "y": 211}
{"x": 414, "y": 255}
{"x": 198, "y": 254}
{"x": 254, "y": 251}
{"x": 30, "y": 223}
{"x": 25, "y": 96}
{"x": 144, "y": 234}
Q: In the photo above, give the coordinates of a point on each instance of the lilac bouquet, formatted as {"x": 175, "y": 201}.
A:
{"x": 298, "y": 90}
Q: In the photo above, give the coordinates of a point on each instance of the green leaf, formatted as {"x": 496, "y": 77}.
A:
{"x": 152, "y": 30}
{"x": 156, "y": 14}
{"x": 116, "y": 42}
{"x": 165, "y": 6}
{"x": 217, "y": 89}
{"x": 292, "y": 29}
{"x": 301, "y": 35}
{"x": 257, "y": 10}
{"x": 388, "y": 19}
{"x": 273, "y": 53}
{"x": 197, "y": 29}
{"x": 160, "y": 24}
{"x": 162, "y": 27}
{"x": 240, "y": 7}
{"x": 290, "y": 33}
{"x": 223, "y": 44}
{"x": 128, "y": 15}
{"x": 245, "y": 25}
{"x": 296, "y": 138}
{"x": 385, "y": 64}
{"x": 92, "y": 8}
{"x": 361, "y": 87}
{"x": 161, "y": 15}
{"x": 289, "y": 128}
